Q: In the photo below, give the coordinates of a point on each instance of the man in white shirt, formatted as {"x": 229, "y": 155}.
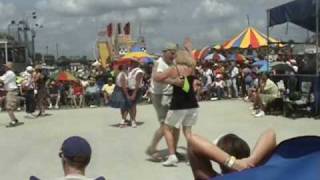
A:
{"x": 9, "y": 82}
{"x": 234, "y": 76}
{"x": 161, "y": 97}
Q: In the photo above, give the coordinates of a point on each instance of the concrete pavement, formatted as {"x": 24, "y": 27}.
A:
{"x": 32, "y": 149}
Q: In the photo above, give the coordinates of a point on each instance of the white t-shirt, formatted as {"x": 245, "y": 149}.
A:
{"x": 208, "y": 74}
{"x": 9, "y": 80}
{"x": 160, "y": 88}
{"x": 234, "y": 72}
{"x": 132, "y": 78}
{"x": 118, "y": 79}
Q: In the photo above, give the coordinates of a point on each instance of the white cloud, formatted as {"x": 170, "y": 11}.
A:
{"x": 7, "y": 12}
{"x": 74, "y": 23}
{"x": 215, "y": 9}
{"x": 95, "y": 7}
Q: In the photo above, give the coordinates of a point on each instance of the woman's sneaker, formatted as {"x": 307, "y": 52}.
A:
{"x": 171, "y": 161}
{"x": 260, "y": 114}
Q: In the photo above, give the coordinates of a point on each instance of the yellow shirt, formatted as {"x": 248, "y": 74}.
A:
{"x": 108, "y": 89}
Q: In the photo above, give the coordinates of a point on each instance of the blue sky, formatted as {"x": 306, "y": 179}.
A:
{"x": 74, "y": 23}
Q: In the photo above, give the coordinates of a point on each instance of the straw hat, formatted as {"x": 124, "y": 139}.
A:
{"x": 39, "y": 66}
{"x": 9, "y": 65}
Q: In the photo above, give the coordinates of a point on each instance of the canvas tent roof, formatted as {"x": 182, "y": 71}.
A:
{"x": 299, "y": 12}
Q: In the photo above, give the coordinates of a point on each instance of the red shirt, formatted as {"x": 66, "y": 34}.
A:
{"x": 77, "y": 90}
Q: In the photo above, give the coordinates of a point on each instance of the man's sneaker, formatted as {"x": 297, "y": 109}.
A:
{"x": 133, "y": 124}
{"x": 50, "y": 106}
{"x": 171, "y": 161}
{"x": 254, "y": 112}
{"x": 260, "y": 114}
{"x": 56, "y": 107}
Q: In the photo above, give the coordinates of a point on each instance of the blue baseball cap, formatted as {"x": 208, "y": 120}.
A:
{"x": 76, "y": 146}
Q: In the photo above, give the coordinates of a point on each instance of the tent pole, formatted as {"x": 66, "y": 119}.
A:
{"x": 317, "y": 36}
{"x": 268, "y": 22}
{"x": 316, "y": 91}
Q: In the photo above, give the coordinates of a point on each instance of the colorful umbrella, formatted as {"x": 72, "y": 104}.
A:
{"x": 250, "y": 37}
{"x": 147, "y": 60}
{"x": 237, "y": 57}
{"x": 204, "y": 52}
{"x": 137, "y": 55}
{"x": 195, "y": 54}
{"x": 219, "y": 57}
{"x": 209, "y": 57}
{"x": 64, "y": 76}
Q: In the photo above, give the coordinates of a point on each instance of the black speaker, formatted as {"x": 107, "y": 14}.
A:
{"x": 308, "y": 65}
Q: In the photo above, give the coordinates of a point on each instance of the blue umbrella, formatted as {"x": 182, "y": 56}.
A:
{"x": 294, "y": 159}
{"x": 233, "y": 57}
{"x": 260, "y": 63}
{"x": 264, "y": 68}
{"x": 147, "y": 60}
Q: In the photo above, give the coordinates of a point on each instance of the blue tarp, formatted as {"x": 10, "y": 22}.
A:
{"x": 294, "y": 159}
{"x": 299, "y": 12}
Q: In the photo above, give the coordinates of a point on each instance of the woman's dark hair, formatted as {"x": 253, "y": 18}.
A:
{"x": 235, "y": 146}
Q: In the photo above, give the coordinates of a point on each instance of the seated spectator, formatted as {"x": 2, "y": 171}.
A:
{"x": 77, "y": 93}
{"x": 75, "y": 156}
{"x": 92, "y": 94}
{"x": 230, "y": 152}
{"x": 55, "y": 89}
{"x": 107, "y": 90}
{"x": 267, "y": 92}
{"x": 219, "y": 86}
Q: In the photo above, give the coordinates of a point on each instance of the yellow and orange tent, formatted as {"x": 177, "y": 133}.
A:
{"x": 250, "y": 37}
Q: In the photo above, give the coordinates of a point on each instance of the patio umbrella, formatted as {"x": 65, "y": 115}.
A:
{"x": 264, "y": 68}
{"x": 281, "y": 66}
{"x": 209, "y": 57}
{"x": 195, "y": 54}
{"x": 237, "y": 57}
{"x": 204, "y": 52}
{"x": 147, "y": 60}
{"x": 249, "y": 37}
{"x": 64, "y": 76}
{"x": 260, "y": 63}
{"x": 124, "y": 61}
{"x": 219, "y": 57}
{"x": 137, "y": 55}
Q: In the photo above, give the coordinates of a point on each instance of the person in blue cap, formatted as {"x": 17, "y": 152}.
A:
{"x": 75, "y": 155}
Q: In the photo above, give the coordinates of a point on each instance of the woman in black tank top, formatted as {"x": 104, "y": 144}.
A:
{"x": 184, "y": 105}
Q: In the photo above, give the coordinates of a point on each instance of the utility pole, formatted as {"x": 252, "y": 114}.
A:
{"x": 57, "y": 50}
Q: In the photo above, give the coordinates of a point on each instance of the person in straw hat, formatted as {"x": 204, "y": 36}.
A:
{"x": 161, "y": 97}
{"x": 8, "y": 80}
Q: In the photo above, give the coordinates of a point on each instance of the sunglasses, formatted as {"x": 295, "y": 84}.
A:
{"x": 60, "y": 154}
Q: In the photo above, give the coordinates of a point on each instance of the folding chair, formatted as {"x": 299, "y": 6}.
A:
{"x": 299, "y": 103}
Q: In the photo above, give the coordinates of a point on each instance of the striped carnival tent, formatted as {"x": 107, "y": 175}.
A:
{"x": 249, "y": 37}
